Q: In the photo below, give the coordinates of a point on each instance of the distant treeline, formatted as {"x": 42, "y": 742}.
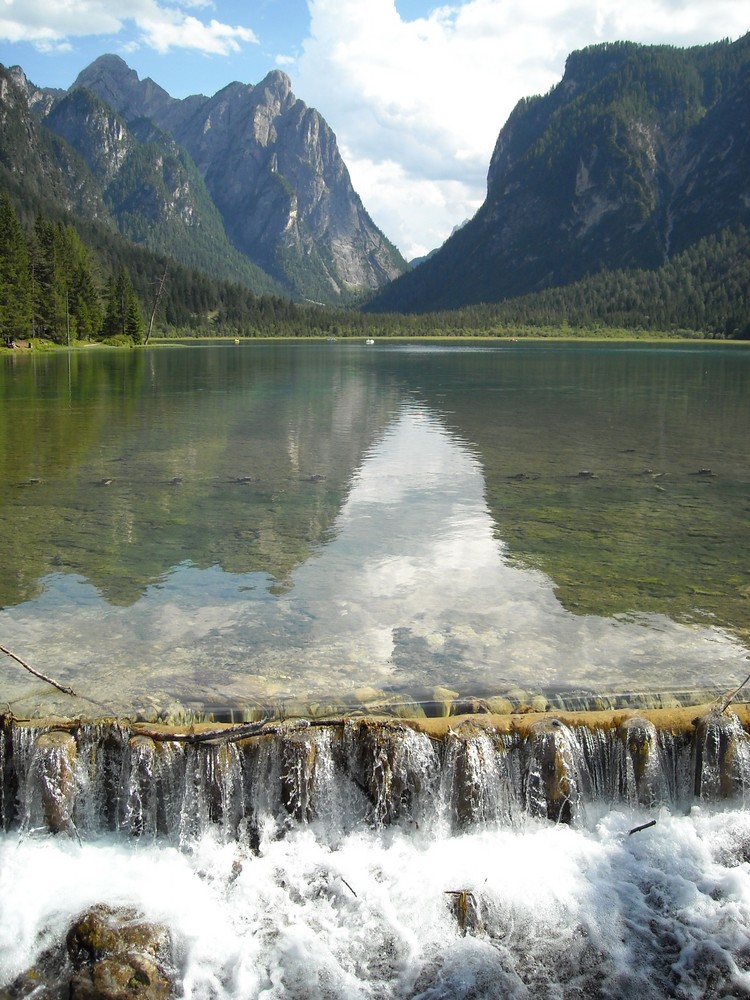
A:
{"x": 63, "y": 282}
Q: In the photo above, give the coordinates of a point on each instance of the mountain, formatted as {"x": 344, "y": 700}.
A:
{"x": 247, "y": 186}
{"x": 273, "y": 170}
{"x": 638, "y": 153}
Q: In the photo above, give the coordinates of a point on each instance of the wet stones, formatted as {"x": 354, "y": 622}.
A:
{"x": 551, "y": 781}
{"x": 299, "y": 752}
{"x": 476, "y": 783}
{"x": 468, "y": 771}
{"x": 392, "y": 765}
{"x": 141, "y": 788}
{"x": 639, "y": 742}
{"x": 721, "y": 751}
{"x": 55, "y": 764}
{"x": 118, "y": 955}
{"x": 109, "y": 953}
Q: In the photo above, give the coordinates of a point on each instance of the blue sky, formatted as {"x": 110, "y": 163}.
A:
{"x": 416, "y": 92}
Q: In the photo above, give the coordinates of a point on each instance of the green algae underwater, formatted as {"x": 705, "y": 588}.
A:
{"x": 311, "y": 524}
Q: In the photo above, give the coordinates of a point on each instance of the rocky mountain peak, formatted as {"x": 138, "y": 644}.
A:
{"x": 270, "y": 164}
{"x": 18, "y": 77}
{"x": 115, "y": 82}
{"x": 277, "y": 86}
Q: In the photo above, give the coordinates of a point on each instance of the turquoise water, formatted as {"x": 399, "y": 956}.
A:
{"x": 314, "y": 527}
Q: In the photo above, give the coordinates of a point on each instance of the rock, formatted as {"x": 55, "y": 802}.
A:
{"x": 299, "y": 760}
{"x": 444, "y": 698}
{"x": 639, "y": 740}
{"x": 55, "y": 758}
{"x": 551, "y": 780}
{"x": 120, "y": 979}
{"x": 118, "y": 955}
{"x": 109, "y": 954}
{"x": 272, "y": 168}
{"x": 719, "y": 748}
{"x": 499, "y": 706}
{"x": 47, "y": 979}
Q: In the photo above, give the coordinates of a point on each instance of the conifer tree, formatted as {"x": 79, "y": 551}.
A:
{"x": 15, "y": 284}
{"x": 123, "y": 316}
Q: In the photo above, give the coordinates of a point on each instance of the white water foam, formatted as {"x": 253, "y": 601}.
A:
{"x": 549, "y": 911}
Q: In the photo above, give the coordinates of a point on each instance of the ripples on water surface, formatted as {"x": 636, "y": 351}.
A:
{"x": 222, "y": 528}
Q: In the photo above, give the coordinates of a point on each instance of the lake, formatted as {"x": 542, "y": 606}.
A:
{"x": 228, "y": 530}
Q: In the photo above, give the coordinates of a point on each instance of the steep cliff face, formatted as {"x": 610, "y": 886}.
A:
{"x": 273, "y": 170}
{"x": 87, "y": 160}
{"x": 247, "y": 185}
{"x": 100, "y": 136}
{"x": 636, "y": 154}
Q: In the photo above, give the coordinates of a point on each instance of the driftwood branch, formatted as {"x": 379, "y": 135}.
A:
{"x": 727, "y": 700}
{"x": 228, "y": 734}
{"x": 43, "y": 677}
{"x": 206, "y": 736}
{"x": 643, "y": 826}
{"x": 348, "y": 886}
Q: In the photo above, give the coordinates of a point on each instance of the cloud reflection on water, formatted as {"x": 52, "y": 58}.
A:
{"x": 413, "y": 591}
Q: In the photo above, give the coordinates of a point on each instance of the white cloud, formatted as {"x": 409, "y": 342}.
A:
{"x": 418, "y": 105}
{"x": 412, "y": 208}
{"x": 50, "y": 23}
{"x": 166, "y": 29}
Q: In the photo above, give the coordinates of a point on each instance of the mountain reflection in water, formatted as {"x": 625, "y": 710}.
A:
{"x": 307, "y": 527}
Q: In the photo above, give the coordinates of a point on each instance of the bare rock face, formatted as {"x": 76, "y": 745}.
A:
{"x": 274, "y": 171}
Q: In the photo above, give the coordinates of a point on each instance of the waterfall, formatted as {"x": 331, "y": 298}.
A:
{"x": 480, "y": 858}
{"x": 91, "y": 778}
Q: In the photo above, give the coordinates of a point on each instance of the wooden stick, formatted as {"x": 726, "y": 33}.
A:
{"x": 37, "y": 673}
{"x": 643, "y": 826}
{"x": 348, "y": 886}
{"x": 231, "y": 733}
{"x": 729, "y": 698}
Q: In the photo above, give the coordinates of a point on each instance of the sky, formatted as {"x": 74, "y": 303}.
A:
{"x": 415, "y": 92}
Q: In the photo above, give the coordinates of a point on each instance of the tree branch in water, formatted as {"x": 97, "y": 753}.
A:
{"x": 643, "y": 826}
{"x": 43, "y": 677}
{"x": 727, "y": 700}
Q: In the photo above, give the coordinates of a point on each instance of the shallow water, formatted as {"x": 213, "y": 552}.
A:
{"x": 315, "y": 527}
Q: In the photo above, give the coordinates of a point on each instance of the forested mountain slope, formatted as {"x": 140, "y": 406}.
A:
{"x": 635, "y": 155}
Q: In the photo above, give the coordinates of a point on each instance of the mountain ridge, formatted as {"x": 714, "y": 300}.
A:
{"x": 634, "y": 155}
{"x": 273, "y": 169}
{"x": 247, "y": 185}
